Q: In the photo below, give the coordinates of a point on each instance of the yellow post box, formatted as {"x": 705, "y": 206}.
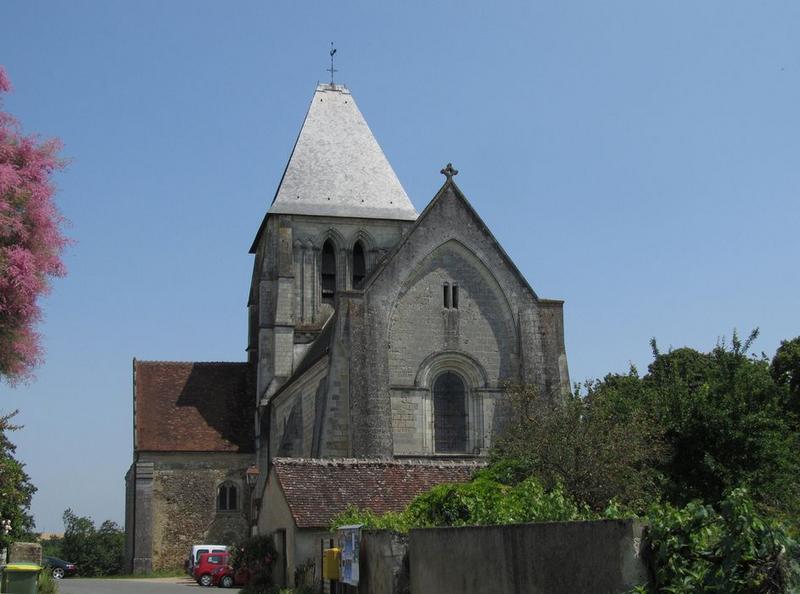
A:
{"x": 330, "y": 563}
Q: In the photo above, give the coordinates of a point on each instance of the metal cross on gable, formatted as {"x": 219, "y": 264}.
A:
{"x": 332, "y": 69}
{"x": 449, "y": 171}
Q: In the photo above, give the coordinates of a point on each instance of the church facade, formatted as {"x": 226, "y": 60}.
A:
{"x": 375, "y": 334}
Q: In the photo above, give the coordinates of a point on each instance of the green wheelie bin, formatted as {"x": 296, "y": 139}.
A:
{"x": 20, "y": 578}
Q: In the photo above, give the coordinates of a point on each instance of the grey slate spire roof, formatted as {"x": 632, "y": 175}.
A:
{"x": 337, "y": 168}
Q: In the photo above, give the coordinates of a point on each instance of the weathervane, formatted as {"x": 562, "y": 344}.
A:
{"x": 449, "y": 172}
{"x": 332, "y": 69}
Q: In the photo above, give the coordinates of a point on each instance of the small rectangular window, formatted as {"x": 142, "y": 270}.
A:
{"x": 455, "y": 296}
{"x": 446, "y": 296}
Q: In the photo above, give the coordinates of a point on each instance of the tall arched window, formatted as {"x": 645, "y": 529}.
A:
{"x": 227, "y": 497}
{"x": 359, "y": 265}
{"x": 328, "y": 273}
{"x": 449, "y": 414}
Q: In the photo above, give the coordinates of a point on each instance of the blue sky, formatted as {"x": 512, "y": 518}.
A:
{"x": 639, "y": 160}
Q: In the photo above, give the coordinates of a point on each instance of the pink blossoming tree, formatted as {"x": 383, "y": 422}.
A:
{"x": 31, "y": 242}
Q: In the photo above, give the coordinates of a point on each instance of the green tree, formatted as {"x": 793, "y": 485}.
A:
{"x": 52, "y": 547}
{"x": 94, "y": 551}
{"x": 16, "y": 489}
{"x": 726, "y": 424}
{"x": 598, "y": 447}
{"x": 695, "y": 426}
{"x": 785, "y": 370}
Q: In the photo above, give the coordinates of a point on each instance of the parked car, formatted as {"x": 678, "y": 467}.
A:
{"x": 227, "y": 577}
{"x": 197, "y": 550}
{"x": 60, "y": 568}
{"x": 208, "y": 563}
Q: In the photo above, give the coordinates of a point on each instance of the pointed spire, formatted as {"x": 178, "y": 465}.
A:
{"x": 337, "y": 167}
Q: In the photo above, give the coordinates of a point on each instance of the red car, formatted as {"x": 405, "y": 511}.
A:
{"x": 227, "y": 577}
{"x": 207, "y": 563}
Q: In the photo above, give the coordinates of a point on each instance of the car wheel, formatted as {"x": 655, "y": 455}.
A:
{"x": 226, "y": 581}
{"x": 205, "y": 579}
{"x": 58, "y": 573}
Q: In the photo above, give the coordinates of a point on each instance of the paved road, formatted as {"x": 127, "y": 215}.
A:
{"x": 152, "y": 586}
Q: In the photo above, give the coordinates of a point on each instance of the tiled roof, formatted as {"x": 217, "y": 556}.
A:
{"x": 337, "y": 167}
{"x": 193, "y": 407}
{"x": 316, "y": 490}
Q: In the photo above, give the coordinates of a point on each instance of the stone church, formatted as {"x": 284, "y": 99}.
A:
{"x": 379, "y": 341}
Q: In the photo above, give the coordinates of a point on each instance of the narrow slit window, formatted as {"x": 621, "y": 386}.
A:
{"x": 328, "y": 273}
{"x": 455, "y": 296}
{"x": 446, "y": 296}
{"x": 359, "y": 266}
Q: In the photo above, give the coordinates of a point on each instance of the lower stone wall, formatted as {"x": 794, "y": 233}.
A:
{"x": 576, "y": 557}
{"x": 185, "y": 513}
{"x": 183, "y": 506}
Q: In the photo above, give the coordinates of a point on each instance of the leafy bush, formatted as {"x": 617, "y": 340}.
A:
{"x": 486, "y": 501}
{"x": 479, "y": 502}
{"x": 257, "y": 554}
{"x": 46, "y": 583}
{"x": 395, "y": 521}
{"x": 732, "y": 550}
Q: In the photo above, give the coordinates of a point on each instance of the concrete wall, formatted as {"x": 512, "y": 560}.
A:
{"x": 383, "y": 562}
{"x": 308, "y": 547}
{"x": 550, "y": 558}
{"x": 25, "y": 552}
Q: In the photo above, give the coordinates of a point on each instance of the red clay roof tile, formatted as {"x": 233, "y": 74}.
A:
{"x": 317, "y": 490}
{"x": 193, "y": 407}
